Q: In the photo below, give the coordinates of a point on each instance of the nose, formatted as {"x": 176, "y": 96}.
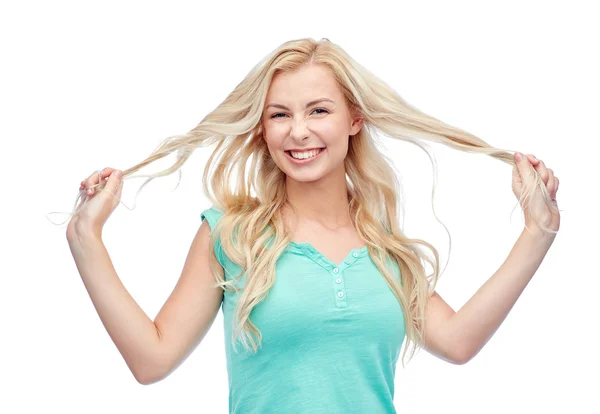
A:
{"x": 299, "y": 129}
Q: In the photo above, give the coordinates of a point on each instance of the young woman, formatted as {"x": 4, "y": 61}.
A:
{"x": 317, "y": 282}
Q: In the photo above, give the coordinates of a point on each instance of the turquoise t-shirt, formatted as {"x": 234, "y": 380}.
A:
{"x": 331, "y": 336}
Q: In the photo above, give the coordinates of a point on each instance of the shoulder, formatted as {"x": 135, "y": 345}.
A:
{"x": 212, "y": 215}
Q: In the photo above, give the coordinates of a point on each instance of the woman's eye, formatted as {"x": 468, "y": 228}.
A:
{"x": 282, "y": 114}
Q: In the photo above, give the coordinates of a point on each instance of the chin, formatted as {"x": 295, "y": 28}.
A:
{"x": 304, "y": 177}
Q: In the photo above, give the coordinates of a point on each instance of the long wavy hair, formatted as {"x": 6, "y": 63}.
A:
{"x": 234, "y": 128}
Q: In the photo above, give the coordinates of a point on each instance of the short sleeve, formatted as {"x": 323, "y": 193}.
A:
{"x": 212, "y": 215}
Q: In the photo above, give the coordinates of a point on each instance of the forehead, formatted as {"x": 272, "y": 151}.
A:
{"x": 303, "y": 85}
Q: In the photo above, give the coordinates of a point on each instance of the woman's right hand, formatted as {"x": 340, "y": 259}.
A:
{"x": 102, "y": 194}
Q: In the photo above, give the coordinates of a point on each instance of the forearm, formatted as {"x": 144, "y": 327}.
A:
{"x": 132, "y": 331}
{"x": 477, "y": 321}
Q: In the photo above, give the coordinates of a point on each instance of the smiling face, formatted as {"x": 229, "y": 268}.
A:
{"x": 306, "y": 109}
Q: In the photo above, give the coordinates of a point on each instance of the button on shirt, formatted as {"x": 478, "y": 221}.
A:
{"x": 331, "y": 335}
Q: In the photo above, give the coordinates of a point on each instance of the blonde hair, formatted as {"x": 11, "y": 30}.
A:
{"x": 234, "y": 127}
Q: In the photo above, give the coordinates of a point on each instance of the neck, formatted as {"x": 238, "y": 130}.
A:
{"x": 324, "y": 201}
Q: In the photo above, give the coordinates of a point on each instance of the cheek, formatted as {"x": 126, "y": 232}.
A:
{"x": 274, "y": 135}
{"x": 330, "y": 132}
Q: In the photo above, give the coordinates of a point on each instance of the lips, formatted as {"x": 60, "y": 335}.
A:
{"x": 305, "y": 149}
{"x": 289, "y": 152}
{"x": 305, "y": 160}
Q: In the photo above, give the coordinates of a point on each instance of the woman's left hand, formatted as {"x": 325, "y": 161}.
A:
{"x": 523, "y": 176}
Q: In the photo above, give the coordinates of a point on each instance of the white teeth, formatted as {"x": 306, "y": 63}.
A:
{"x": 304, "y": 155}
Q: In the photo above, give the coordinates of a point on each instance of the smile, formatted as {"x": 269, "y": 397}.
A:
{"x": 304, "y": 160}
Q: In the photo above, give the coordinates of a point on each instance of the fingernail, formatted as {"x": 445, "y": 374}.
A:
{"x": 118, "y": 173}
{"x": 518, "y": 156}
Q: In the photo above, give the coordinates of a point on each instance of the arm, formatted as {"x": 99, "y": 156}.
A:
{"x": 461, "y": 335}
{"x": 150, "y": 349}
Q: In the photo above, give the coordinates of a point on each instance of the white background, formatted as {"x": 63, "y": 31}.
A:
{"x": 86, "y": 85}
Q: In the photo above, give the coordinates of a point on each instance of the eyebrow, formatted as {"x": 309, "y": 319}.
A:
{"x": 311, "y": 103}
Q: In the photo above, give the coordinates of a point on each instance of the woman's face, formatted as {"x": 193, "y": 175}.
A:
{"x": 306, "y": 109}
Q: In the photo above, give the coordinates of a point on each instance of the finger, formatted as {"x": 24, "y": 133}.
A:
{"x": 532, "y": 159}
{"x": 556, "y": 182}
{"x": 114, "y": 181}
{"x": 542, "y": 171}
{"x": 92, "y": 181}
{"x": 550, "y": 184}
{"x": 524, "y": 168}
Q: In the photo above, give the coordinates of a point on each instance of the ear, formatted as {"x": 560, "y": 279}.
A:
{"x": 357, "y": 119}
{"x": 357, "y": 123}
